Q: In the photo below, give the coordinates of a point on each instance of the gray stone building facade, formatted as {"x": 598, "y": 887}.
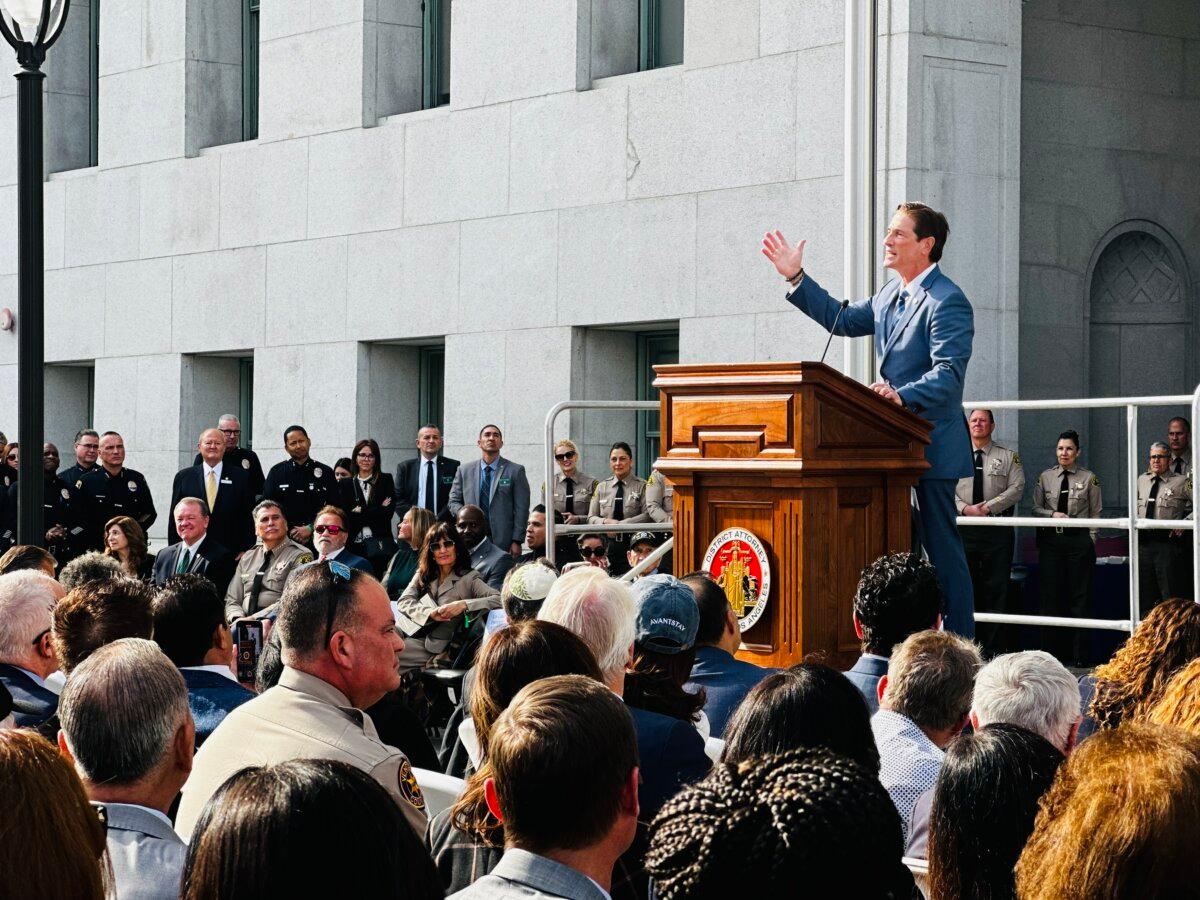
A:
{"x": 362, "y": 259}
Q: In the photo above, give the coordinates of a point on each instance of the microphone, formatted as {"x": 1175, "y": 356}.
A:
{"x": 833, "y": 329}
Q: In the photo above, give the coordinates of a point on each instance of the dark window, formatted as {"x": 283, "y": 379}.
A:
{"x": 660, "y": 35}
{"x": 433, "y": 384}
{"x": 436, "y": 56}
{"x": 249, "y": 74}
{"x": 246, "y": 399}
{"x": 654, "y": 348}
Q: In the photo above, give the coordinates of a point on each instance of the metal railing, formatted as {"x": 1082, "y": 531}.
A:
{"x": 1130, "y": 522}
{"x": 553, "y": 529}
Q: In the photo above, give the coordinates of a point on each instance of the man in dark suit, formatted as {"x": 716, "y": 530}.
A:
{"x": 923, "y": 326}
{"x": 236, "y": 456}
{"x": 27, "y": 657}
{"x": 189, "y": 626}
{"x": 726, "y": 680}
{"x": 897, "y": 595}
{"x": 426, "y": 480}
{"x": 226, "y": 490}
{"x": 195, "y": 552}
{"x": 330, "y": 534}
{"x": 487, "y": 559}
{"x": 496, "y": 485}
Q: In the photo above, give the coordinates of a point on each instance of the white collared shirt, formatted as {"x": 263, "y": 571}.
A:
{"x": 220, "y": 670}
{"x": 905, "y": 285}
{"x": 191, "y": 548}
{"x": 216, "y": 470}
{"x": 334, "y": 554}
{"x": 37, "y": 679}
{"x": 423, "y": 465}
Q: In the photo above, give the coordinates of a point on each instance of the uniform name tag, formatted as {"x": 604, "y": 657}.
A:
{"x": 226, "y": 481}
{"x": 505, "y": 481}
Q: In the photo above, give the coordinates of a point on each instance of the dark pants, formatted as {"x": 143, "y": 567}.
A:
{"x": 1164, "y": 568}
{"x": 939, "y": 537}
{"x": 989, "y": 552}
{"x": 618, "y": 558}
{"x": 1067, "y": 562}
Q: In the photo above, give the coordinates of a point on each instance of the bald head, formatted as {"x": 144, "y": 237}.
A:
{"x": 212, "y": 446}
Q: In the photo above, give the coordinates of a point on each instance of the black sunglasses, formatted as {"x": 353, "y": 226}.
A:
{"x": 593, "y": 551}
{"x": 441, "y": 545}
{"x": 338, "y": 572}
{"x": 1159, "y": 456}
{"x": 563, "y": 457}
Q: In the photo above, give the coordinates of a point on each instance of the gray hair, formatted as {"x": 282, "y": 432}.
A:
{"x": 1031, "y": 689}
{"x": 930, "y": 677}
{"x": 599, "y": 610}
{"x": 93, "y": 566}
{"x": 265, "y": 504}
{"x": 1159, "y": 445}
{"x": 120, "y": 711}
{"x": 27, "y": 601}
{"x": 191, "y": 501}
{"x": 229, "y": 417}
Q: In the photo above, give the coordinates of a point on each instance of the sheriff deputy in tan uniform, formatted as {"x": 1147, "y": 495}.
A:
{"x": 994, "y": 490}
{"x": 1165, "y": 564}
{"x": 660, "y": 503}
{"x": 1066, "y": 556}
{"x": 263, "y": 570}
{"x": 316, "y": 709}
{"x": 572, "y": 488}
{"x": 621, "y": 498}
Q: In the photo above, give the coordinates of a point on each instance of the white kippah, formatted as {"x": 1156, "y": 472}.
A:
{"x": 532, "y": 582}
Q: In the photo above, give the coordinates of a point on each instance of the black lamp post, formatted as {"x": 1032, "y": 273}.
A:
{"x": 31, "y": 27}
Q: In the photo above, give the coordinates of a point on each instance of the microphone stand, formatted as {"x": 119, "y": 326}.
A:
{"x": 833, "y": 328}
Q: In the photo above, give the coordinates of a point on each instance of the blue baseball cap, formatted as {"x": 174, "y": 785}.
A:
{"x": 667, "y": 617}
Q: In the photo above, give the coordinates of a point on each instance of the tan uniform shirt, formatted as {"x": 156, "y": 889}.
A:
{"x": 1185, "y": 461}
{"x": 1003, "y": 480}
{"x": 660, "y": 497}
{"x": 1083, "y": 498}
{"x": 302, "y": 717}
{"x": 1173, "y": 501}
{"x": 287, "y": 558}
{"x": 605, "y": 495}
{"x": 584, "y": 485}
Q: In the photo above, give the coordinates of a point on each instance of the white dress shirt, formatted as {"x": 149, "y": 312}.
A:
{"x": 423, "y": 480}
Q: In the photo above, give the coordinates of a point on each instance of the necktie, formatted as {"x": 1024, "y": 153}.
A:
{"x": 485, "y": 492}
{"x": 1064, "y": 490}
{"x": 1151, "y": 506}
{"x": 619, "y": 502}
{"x": 185, "y": 560}
{"x": 210, "y": 489}
{"x": 897, "y": 312}
{"x": 569, "y": 496}
{"x": 977, "y": 488}
{"x": 1179, "y": 466}
{"x": 256, "y": 586}
{"x": 430, "y": 502}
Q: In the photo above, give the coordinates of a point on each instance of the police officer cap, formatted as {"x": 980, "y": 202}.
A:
{"x": 667, "y": 617}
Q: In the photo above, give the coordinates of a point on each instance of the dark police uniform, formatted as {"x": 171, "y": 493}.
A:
{"x": 62, "y": 506}
{"x": 8, "y": 476}
{"x": 75, "y": 474}
{"x": 1066, "y": 556}
{"x": 247, "y": 461}
{"x": 123, "y": 494}
{"x": 999, "y": 482}
{"x": 1165, "y": 565}
{"x": 300, "y": 490}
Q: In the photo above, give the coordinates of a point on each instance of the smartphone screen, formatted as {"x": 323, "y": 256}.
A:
{"x": 248, "y": 639}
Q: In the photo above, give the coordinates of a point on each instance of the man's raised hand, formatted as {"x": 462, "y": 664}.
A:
{"x": 788, "y": 260}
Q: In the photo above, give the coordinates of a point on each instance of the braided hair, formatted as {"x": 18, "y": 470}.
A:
{"x": 806, "y": 820}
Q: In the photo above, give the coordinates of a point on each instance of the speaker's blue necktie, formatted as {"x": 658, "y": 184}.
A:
{"x": 897, "y": 313}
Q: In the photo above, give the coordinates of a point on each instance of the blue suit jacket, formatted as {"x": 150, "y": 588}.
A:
{"x": 670, "y": 755}
{"x": 726, "y": 681}
{"x": 211, "y": 697}
{"x": 865, "y": 675}
{"x": 346, "y": 558}
{"x": 32, "y": 703}
{"x": 925, "y": 359}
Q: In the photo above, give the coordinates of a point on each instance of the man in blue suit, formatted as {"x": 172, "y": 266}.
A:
{"x": 725, "y": 678}
{"x": 923, "y": 327}
{"x": 27, "y": 656}
{"x": 189, "y": 627}
{"x": 330, "y": 535}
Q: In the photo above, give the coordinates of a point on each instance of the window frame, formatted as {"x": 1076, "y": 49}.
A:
{"x": 431, "y": 54}
{"x": 431, "y": 382}
{"x": 246, "y": 400}
{"x": 653, "y": 348}
{"x": 250, "y": 69}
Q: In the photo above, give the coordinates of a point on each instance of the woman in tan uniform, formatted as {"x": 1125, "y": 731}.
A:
{"x": 1066, "y": 556}
{"x": 620, "y": 498}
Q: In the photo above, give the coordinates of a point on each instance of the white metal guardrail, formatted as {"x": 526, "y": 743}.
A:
{"x": 1129, "y": 522}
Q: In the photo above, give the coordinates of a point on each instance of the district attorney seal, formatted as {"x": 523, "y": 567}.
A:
{"x": 737, "y": 561}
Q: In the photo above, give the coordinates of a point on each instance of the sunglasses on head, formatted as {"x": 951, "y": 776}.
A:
{"x": 332, "y": 529}
{"x": 563, "y": 457}
{"x": 593, "y": 551}
{"x": 338, "y": 572}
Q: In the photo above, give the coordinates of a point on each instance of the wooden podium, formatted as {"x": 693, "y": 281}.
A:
{"x": 815, "y": 465}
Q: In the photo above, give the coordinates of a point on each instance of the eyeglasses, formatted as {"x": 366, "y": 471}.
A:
{"x": 338, "y": 572}
{"x": 563, "y": 457}
{"x": 332, "y": 529}
{"x": 593, "y": 551}
{"x": 1159, "y": 456}
{"x": 441, "y": 545}
{"x": 366, "y": 454}
{"x": 229, "y": 432}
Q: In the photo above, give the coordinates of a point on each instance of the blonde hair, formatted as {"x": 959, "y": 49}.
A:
{"x": 1180, "y": 701}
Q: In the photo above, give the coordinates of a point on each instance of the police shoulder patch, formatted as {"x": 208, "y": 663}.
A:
{"x": 1096, "y": 480}
{"x": 304, "y": 557}
{"x": 1017, "y": 458}
{"x": 407, "y": 782}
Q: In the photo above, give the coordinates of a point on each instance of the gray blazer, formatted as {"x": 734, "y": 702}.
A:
{"x": 492, "y": 563}
{"x": 523, "y": 874}
{"x": 147, "y": 855}
{"x": 509, "y": 511}
{"x": 471, "y": 588}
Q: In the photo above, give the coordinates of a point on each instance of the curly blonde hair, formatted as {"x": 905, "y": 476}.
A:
{"x": 1129, "y": 684}
{"x": 1180, "y": 701}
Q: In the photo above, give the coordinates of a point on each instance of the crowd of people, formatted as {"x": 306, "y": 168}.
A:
{"x": 441, "y": 710}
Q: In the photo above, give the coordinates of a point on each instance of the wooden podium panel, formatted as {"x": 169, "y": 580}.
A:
{"x": 815, "y": 465}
